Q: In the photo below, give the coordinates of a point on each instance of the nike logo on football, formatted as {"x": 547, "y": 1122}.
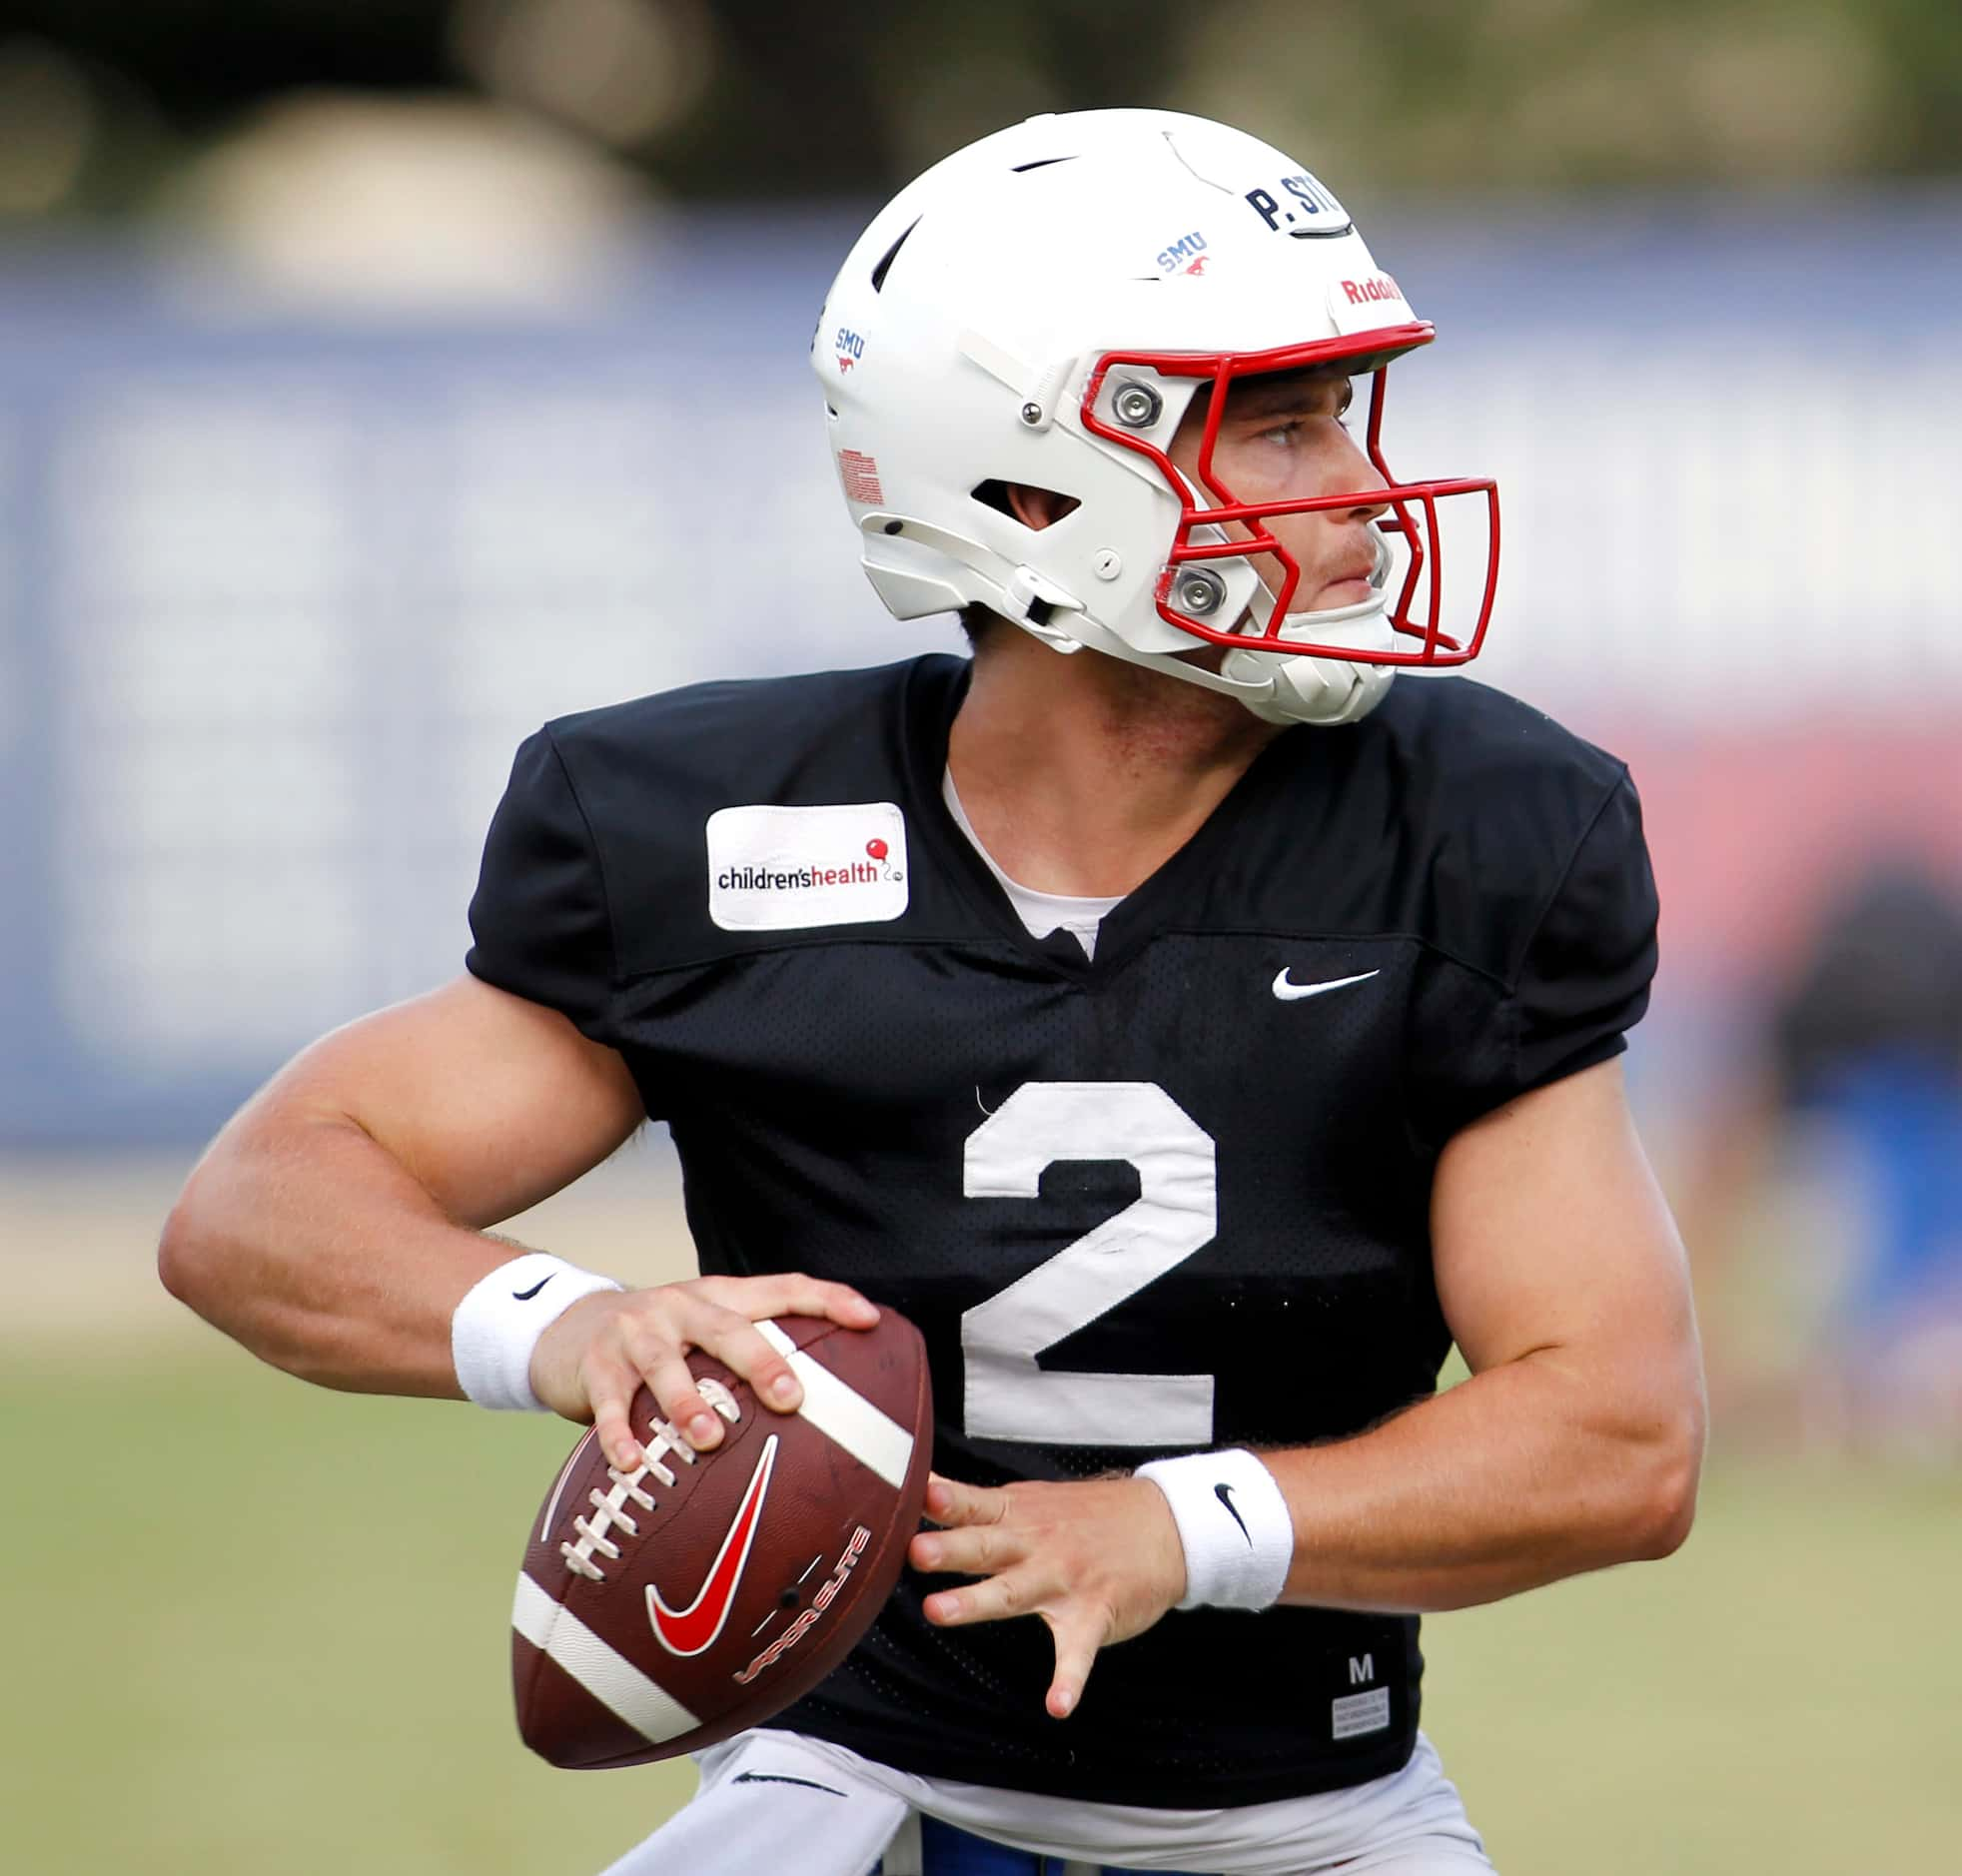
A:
{"x": 1225, "y": 1495}
{"x": 1292, "y": 992}
{"x": 526, "y": 1295}
{"x": 690, "y": 1631}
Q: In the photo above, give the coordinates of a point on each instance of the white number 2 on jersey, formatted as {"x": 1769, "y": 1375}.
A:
{"x": 1175, "y": 1214}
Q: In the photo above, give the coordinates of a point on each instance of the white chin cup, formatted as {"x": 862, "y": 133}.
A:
{"x": 1290, "y": 688}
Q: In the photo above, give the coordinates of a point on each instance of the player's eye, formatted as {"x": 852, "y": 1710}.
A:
{"x": 1289, "y": 433}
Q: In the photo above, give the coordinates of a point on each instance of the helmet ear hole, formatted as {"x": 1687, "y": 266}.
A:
{"x": 1032, "y": 508}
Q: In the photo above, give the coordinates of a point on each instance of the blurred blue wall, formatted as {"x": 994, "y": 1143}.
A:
{"x": 278, "y": 597}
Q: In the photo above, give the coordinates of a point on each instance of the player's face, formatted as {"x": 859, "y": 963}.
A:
{"x": 1282, "y": 439}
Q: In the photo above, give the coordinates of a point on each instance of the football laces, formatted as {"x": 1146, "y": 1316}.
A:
{"x": 609, "y": 1508}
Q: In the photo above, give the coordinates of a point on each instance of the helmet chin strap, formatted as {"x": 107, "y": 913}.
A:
{"x": 1323, "y": 692}
{"x": 1277, "y": 687}
{"x": 1283, "y": 687}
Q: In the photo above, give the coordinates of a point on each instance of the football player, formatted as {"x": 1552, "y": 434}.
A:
{"x": 1194, "y": 1031}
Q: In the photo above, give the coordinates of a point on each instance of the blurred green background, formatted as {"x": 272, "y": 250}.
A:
{"x": 709, "y": 98}
{"x": 346, "y": 429}
{"x": 263, "y": 1627}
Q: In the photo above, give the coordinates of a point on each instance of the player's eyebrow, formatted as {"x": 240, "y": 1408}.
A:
{"x": 1290, "y": 390}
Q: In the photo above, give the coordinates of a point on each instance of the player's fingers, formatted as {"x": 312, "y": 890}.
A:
{"x": 610, "y": 1388}
{"x": 674, "y": 1386}
{"x": 791, "y": 1292}
{"x": 975, "y": 1549}
{"x": 1077, "y": 1640}
{"x": 1016, "y": 1591}
{"x": 660, "y": 1355}
{"x": 948, "y": 1501}
{"x": 734, "y": 1339}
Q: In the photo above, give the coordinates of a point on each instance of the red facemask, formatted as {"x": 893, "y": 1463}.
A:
{"x": 1413, "y": 506}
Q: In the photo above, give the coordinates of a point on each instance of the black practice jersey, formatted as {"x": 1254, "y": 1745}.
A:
{"x": 1171, "y": 1199}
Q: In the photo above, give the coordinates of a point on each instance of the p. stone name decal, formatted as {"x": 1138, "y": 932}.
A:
{"x": 1301, "y": 207}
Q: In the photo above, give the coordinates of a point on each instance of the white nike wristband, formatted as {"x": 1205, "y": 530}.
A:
{"x": 1233, "y": 1521}
{"x": 499, "y": 1321}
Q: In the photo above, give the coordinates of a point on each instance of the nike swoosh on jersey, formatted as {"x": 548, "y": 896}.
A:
{"x": 690, "y": 1631}
{"x": 1292, "y": 992}
{"x": 526, "y": 1295}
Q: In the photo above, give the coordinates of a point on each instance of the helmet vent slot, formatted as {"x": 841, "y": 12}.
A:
{"x": 993, "y": 494}
{"x": 886, "y": 260}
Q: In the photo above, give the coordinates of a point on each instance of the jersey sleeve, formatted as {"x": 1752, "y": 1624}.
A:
{"x": 539, "y": 916}
{"x": 1584, "y": 980}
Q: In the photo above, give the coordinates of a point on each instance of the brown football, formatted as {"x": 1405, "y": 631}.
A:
{"x": 660, "y": 1610}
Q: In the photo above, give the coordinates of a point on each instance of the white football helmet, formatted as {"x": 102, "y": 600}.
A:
{"x": 1040, "y": 307}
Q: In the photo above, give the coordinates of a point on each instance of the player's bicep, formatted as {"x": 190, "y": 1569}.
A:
{"x": 1551, "y": 1236}
{"x": 491, "y": 1102}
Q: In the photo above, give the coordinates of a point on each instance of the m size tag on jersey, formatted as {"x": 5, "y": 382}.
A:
{"x": 780, "y": 869}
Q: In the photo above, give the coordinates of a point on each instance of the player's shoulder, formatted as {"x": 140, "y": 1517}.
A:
{"x": 749, "y": 739}
{"x": 677, "y": 799}
{"x": 1453, "y": 813}
{"x": 1457, "y": 752}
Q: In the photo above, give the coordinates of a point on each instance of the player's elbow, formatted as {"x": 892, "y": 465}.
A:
{"x": 173, "y": 1267}
{"x": 185, "y": 1265}
{"x": 1663, "y": 1502}
{"x": 198, "y": 1250}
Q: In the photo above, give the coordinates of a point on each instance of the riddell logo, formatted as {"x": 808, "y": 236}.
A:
{"x": 778, "y": 868}
{"x": 1377, "y": 287}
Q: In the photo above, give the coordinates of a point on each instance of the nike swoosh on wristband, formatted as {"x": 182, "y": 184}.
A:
{"x": 1225, "y": 1495}
{"x": 690, "y": 1631}
{"x": 1291, "y": 992}
{"x": 526, "y": 1295}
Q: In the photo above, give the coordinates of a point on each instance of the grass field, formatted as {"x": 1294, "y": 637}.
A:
{"x": 262, "y": 1628}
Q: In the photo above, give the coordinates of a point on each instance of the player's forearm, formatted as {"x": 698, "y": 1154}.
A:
{"x": 1527, "y": 1472}
{"x": 312, "y": 1245}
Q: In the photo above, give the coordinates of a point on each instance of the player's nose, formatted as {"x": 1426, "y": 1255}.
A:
{"x": 1348, "y": 469}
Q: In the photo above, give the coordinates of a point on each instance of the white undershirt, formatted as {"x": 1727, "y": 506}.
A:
{"x": 1040, "y": 912}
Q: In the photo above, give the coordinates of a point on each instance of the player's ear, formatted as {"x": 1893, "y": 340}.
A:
{"x": 1036, "y": 507}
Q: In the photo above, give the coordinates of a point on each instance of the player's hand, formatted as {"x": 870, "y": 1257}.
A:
{"x": 1098, "y": 1560}
{"x": 589, "y": 1363}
